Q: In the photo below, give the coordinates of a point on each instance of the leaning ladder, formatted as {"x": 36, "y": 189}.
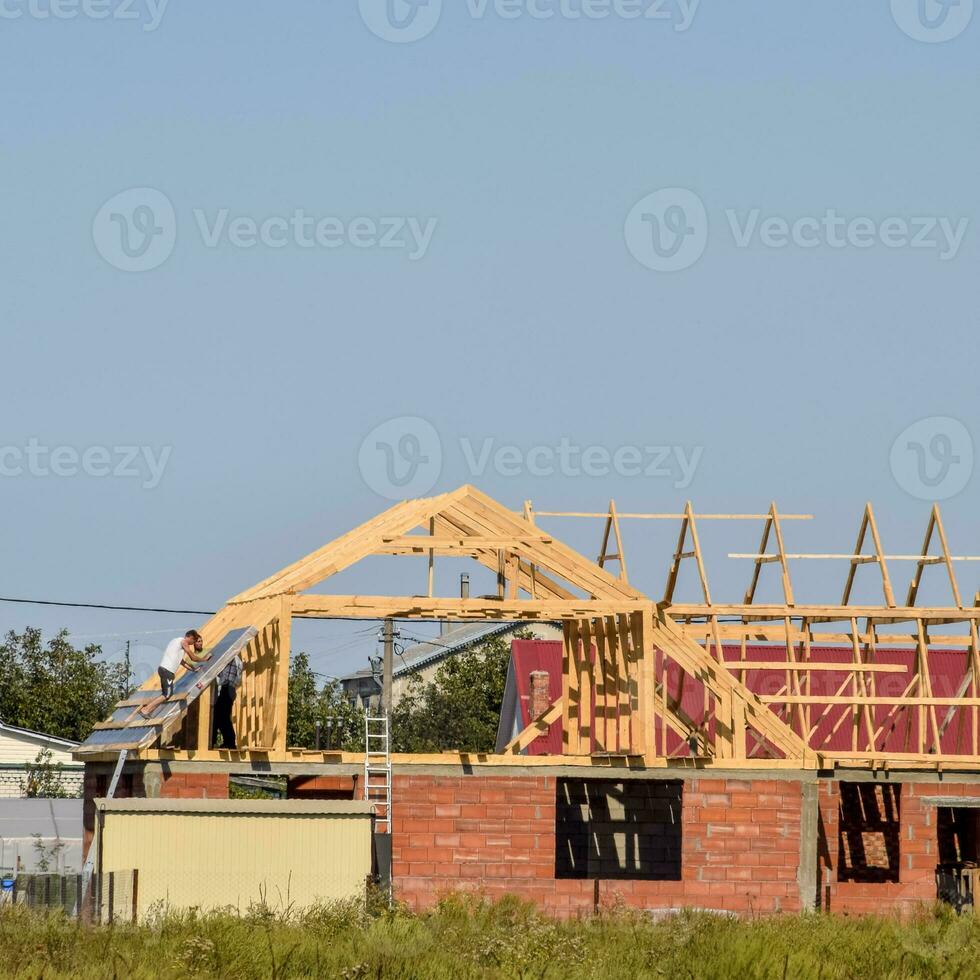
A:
{"x": 89, "y": 867}
{"x": 377, "y": 770}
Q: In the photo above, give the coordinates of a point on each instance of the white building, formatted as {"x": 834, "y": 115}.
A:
{"x": 424, "y": 659}
{"x": 19, "y": 747}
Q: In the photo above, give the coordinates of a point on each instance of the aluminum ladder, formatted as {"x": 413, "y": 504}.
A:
{"x": 377, "y": 770}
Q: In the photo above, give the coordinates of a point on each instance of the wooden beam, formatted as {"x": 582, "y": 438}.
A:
{"x": 537, "y": 727}
{"x": 423, "y": 607}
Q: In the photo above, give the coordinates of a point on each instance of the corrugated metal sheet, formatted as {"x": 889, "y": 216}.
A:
{"x": 188, "y": 687}
{"x": 210, "y": 854}
{"x": 946, "y": 669}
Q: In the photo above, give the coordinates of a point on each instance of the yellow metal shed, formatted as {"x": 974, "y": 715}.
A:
{"x": 210, "y": 854}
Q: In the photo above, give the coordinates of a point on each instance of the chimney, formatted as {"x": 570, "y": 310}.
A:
{"x": 540, "y": 693}
{"x": 464, "y": 585}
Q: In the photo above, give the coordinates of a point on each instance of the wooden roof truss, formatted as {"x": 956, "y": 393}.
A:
{"x": 627, "y": 658}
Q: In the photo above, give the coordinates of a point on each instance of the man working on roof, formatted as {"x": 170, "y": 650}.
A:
{"x": 182, "y": 651}
{"x": 227, "y": 687}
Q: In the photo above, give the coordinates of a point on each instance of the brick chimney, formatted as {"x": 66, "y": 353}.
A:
{"x": 540, "y": 693}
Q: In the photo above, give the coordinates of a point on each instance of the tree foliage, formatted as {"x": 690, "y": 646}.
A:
{"x": 45, "y": 779}
{"x": 56, "y": 688}
{"x": 341, "y": 723}
{"x": 459, "y": 708}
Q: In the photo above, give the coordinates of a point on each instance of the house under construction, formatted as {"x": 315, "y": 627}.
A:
{"x": 748, "y": 756}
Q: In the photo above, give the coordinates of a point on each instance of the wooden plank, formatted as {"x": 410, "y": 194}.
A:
{"x": 423, "y": 607}
{"x": 571, "y": 695}
{"x": 537, "y": 727}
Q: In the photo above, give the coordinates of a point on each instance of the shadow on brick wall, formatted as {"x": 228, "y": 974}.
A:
{"x": 618, "y": 830}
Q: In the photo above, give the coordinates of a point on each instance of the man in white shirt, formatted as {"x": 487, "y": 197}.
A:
{"x": 182, "y": 651}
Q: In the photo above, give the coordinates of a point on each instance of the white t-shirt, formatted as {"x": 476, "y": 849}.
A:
{"x": 173, "y": 655}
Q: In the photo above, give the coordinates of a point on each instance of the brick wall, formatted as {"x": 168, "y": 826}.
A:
{"x": 921, "y": 842}
{"x": 161, "y": 782}
{"x": 740, "y": 844}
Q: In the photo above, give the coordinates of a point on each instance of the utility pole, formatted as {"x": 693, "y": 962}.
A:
{"x": 389, "y": 638}
{"x": 129, "y": 672}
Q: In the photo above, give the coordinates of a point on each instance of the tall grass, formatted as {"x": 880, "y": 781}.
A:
{"x": 467, "y": 938}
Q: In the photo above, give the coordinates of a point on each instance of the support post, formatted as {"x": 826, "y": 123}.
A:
{"x": 389, "y": 656}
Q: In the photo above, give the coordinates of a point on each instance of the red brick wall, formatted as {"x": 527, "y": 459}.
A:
{"x": 496, "y": 834}
{"x": 173, "y": 785}
{"x": 917, "y": 852}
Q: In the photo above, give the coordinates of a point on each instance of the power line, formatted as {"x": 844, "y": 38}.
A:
{"x": 148, "y": 609}
{"x": 100, "y": 605}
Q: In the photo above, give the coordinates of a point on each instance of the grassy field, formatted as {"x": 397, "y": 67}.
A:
{"x": 468, "y": 939}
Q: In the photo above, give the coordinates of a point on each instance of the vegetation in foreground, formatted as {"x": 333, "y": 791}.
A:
{"x": 471, "y": 939}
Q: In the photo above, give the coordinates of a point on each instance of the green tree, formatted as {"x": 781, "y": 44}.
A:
{"x": 45, "y": 779}
{"x": 459, "y": 708}
{"x": 56, "y": 688}
{"x": 341, "y": 722}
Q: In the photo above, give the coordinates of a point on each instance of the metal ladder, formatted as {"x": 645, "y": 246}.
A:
{"x": 93, "y": 849}
{"x": 377, "y": 770}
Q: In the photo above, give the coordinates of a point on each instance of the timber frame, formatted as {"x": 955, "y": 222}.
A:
{"x": 621, "y": 649}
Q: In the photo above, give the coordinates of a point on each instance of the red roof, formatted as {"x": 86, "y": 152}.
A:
{"x": 832, "y": 731}
{"x": 526, "y": 656}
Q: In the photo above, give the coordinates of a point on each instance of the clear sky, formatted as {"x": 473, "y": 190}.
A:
{"x": 465, "y": 229}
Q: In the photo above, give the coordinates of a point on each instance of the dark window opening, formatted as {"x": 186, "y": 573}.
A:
{"x": 628, "y": 829}
{"x": 957, "y": 833}
{"x": 869, "y": 833}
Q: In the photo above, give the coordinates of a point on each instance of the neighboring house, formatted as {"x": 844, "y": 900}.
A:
{"x": 38, "y": 835}
{"x": 522, "y": 703}
{"x": 424, "y": 659}
{"x": 19, "y": 747}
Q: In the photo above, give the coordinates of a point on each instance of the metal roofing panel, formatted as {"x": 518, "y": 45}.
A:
{"x": 137, "y": 734}
{"x": 946, "y": 669}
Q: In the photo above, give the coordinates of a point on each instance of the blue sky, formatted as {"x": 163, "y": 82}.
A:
{"x": 255, "y": 374}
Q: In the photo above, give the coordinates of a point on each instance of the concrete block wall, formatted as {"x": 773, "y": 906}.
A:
{"x": 496, "y": 834}
{"x": 618, "y": 829}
